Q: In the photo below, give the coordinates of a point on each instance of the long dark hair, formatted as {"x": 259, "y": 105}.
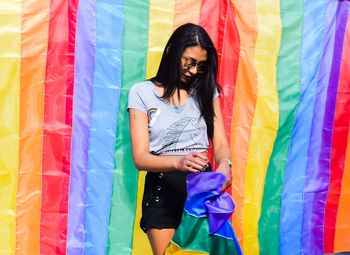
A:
{"x": 203, "y": 86}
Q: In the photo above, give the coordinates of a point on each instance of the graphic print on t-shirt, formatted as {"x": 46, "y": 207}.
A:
{"x": 185, "y": 132}
{"x": 152, "y": 115}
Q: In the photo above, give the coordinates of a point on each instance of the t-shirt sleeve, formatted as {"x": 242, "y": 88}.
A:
{"x": 135, "y": 100}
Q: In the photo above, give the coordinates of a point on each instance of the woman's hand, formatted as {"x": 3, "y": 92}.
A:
{"x": 225, "y": 168}
{"x": 193, "y": 162}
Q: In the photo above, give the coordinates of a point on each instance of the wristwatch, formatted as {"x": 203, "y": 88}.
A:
{"x": 228, "y": 161}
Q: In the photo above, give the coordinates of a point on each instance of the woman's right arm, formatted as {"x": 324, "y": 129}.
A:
{"x": 192, "y": 162}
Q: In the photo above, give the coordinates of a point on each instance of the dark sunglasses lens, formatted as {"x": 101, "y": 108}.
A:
{"x": 202, "y": 68}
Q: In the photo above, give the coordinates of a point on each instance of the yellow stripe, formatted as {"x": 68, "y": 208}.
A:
{"x": 173, "y": 249}
{"x": 10, "y": 29}
{"x": 265, "y": 121}
{"x": 161, "y": 16}
{"x": 140, "y": 242}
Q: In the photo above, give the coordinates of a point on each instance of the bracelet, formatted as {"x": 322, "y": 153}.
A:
{"x": 228, "y": 161}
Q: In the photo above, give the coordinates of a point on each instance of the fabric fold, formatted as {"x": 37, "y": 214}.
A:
{"x": 205, "y": 226}
{"x": 205, "y": 199}
{"x": 219, "y": 211}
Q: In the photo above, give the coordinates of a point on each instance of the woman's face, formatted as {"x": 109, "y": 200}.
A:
{"x": 193, "y": 61}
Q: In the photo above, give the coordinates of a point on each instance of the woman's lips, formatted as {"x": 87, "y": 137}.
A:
{"x": 187, "y": 78}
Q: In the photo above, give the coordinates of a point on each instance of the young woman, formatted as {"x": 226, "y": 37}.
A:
{"x": 172, "y": 118}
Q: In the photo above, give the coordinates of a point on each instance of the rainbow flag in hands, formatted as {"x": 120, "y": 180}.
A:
{"x": 205, "y": 227}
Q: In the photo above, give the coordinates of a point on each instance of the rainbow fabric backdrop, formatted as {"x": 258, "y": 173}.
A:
{"x": 67, "y": 180}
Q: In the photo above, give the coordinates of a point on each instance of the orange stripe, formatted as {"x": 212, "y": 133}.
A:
{"x": 342, "y": 232}
{"x": 342, "y": 228}
{"x": 33, "y": 62}
{"x": 244, "y": 106}
{"x": 209, "y": 19}
{"x": 186, "y": 12}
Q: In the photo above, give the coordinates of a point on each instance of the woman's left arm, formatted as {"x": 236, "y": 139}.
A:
{"x": 220, "y": 145}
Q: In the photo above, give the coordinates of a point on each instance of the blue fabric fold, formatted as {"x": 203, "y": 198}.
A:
{"x": 205, "y": 199}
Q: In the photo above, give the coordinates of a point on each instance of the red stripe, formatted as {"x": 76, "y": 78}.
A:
{"x": 224, "y": 34}
{"x": 228, "y": 67}
{"x": 57, "y": 127}
{"x": 338, "y": 153}
{"x": 209, "y": 19}
{"x": 221, "y": 30}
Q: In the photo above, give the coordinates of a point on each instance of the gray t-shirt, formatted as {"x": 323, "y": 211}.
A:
{"x": 173, "y": 130}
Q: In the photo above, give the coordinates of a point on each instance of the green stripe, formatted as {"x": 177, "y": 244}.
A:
{"x": 199, "y": 239}
{"x": 288, "y": 83}
{"x": 124, "y": 196}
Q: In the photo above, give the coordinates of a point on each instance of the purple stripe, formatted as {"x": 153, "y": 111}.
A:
{"x": 84, "y": 70}
{"x": 317, "y": 173}
{"x": 327, "y": 131}
{"x": 312, "y": 242}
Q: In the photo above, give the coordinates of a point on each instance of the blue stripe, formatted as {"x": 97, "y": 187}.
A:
{"x": 123, "y": 208}
{"x": 312, "y": 227}
{"x": 292, "y": 197}
{"x": 106, "y": 93}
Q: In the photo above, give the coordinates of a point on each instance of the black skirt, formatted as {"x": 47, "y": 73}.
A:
{"x": 163, "y": 200}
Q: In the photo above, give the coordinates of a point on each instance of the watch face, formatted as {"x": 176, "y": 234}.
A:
{"x": 229, "y": 162}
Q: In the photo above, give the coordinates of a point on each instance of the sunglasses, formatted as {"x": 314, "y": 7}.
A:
{"x": 202, "y": 66}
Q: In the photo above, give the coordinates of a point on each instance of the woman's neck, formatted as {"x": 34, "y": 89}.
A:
{"x": 179, "y": 96}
